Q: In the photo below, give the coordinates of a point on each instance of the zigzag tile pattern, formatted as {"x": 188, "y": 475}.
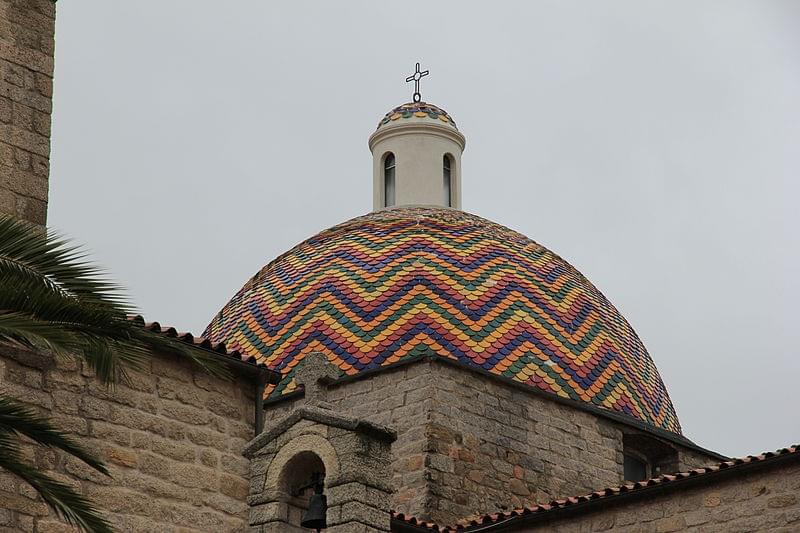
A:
{"x": 408, "y": 282}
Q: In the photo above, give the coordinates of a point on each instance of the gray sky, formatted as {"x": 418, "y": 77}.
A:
{"x": 654, "y": 145}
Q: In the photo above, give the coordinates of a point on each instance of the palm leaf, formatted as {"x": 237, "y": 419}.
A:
{"x": 17, "y": 418}
{"x": 28, "y": 254}
{"x": 68, "y": 504}
{"x": 27, "y": 331}
{"x": 52, "y": 299}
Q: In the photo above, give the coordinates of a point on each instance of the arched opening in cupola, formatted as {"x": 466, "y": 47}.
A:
{"x": 447, "y": 170}
{"x": 389, "y": 185}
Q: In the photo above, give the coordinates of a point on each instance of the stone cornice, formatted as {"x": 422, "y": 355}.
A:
{"x": 321, "y": 416}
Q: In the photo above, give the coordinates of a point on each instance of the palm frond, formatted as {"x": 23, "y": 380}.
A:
{"x": 97, "y": 331}
{"x": 171, "y": 345}
{"x": 25, "y": 330}
{"x": 20, "y": 419}
{"x": 51, "y": 298}
{"x": 29, "y": 255}
{"x": 68, "y": 504}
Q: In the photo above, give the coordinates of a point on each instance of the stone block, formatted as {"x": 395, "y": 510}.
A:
{"x": 712, "y": 500}
{"x": 669, "y": 524}
{"x": 268, "y": 512}
{"x": 121, "y": 456}
{"x": 781, "y": 501}
{"x": 223, "y": 406}
{"x": 26, "y": 395}
{"x": 120, "y": 500}
{"x": 195, "y": 476}
{"x": 234, "y": 486}
{"x": 184, "y": 413}
{"x": 53, "y": 526}
{"x": 354, "y": 527}
{"x": 68, "y": 381}
{"x": 362, "y": 513}
{"x": 696, "y": 518}
{"x": 235, "y": 464}
{"x": 172, "y": 368}
{"x": 345, "y": 492}
{"x": 187, "y": 513}
{"x": 439, "y": 462}
{"x": 225, "y": 504}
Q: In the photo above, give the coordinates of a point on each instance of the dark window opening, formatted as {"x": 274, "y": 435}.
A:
{"x": 646, "y": 456}
{"x": 634, "y": 469}
{"x": 389, "y": 180}
{"x": 446, "y": 165}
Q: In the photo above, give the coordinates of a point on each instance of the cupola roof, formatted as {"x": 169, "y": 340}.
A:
{"x": 423, "y": 281}
{"x": 417, "y": 111}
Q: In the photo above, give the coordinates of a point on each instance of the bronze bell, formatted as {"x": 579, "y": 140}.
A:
{"x": 317, "y": 510}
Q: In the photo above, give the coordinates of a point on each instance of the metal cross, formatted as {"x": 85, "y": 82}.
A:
{"x": 415, "y": 78}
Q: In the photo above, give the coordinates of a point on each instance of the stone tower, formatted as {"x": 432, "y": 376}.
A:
{"x": 27, "y": 30}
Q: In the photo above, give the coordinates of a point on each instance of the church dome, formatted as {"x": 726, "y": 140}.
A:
{"x": 412, "y": 282}
{"x": 416, "y": 111}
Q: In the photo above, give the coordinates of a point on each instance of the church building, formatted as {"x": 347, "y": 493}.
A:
{"x": 414, "y": 369}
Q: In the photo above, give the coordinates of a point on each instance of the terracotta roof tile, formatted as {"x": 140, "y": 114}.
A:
{"x": 198, "y": 342}
{"x": 610, "y": 492}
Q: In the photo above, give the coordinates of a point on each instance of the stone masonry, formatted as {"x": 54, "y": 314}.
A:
{"x": 172, "y": 439}
{"x": 469, "y": 444}
{"x": 26, "y": 89}
{"x": 756, "y": 500}
{"x": 352, "y": 455}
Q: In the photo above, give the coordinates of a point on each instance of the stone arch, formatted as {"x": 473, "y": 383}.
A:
{"x": 291, "y": 474}
{"x": 299, "y": 448}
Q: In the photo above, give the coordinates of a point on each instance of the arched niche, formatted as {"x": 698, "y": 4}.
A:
{"x": 291, "y": 471}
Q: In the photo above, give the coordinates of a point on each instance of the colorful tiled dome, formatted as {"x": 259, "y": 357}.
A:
{"x": 407, "y": 282}
{"x": 417, "y": 110}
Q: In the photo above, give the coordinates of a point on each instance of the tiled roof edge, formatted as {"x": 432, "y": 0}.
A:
{"x": 492, "y": 521}
{"x": 203, "y": 343}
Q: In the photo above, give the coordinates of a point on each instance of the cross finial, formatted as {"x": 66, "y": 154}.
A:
{"x": 415, "y": 78}
{"x": 315, "y": 374}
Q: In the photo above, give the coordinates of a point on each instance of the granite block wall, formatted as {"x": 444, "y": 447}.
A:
{"x": 759, "y": 500}
{"x": 26, "y": 88}
{"x": 469, "y": 444}
{"x": 172, "y": 438}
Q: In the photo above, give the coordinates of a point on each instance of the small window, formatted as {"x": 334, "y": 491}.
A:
{"x": 645, "y": 456}
{"x": 446, "y": 165}
{"x": 388, "y": 180}
{"x": 634, "y": 469}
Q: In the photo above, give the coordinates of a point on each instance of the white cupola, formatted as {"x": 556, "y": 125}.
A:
{"x": 416, "y": 154}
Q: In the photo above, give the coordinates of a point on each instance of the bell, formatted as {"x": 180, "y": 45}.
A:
{"x": 317, "y": 511}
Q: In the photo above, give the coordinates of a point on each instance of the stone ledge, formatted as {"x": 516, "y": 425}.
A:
{"x": 322, "y": 416}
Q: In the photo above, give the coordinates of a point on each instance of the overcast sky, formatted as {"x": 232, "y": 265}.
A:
{"x": 654, "y": 145}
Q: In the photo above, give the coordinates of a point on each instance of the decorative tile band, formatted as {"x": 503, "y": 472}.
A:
{"x": 419, "y": 110}
{"x": 405, "y": 282}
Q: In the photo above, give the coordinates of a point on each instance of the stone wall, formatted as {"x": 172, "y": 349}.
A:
{"x": 469, "y": 444}
{"x": 353, "y": 455}
{"x": 172, "y": 439}
{"x": 496, "y": 447}
{"x": 26, "y": 89}
{"x": 400, "y": 399}
{"x": 759, "y": 500}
